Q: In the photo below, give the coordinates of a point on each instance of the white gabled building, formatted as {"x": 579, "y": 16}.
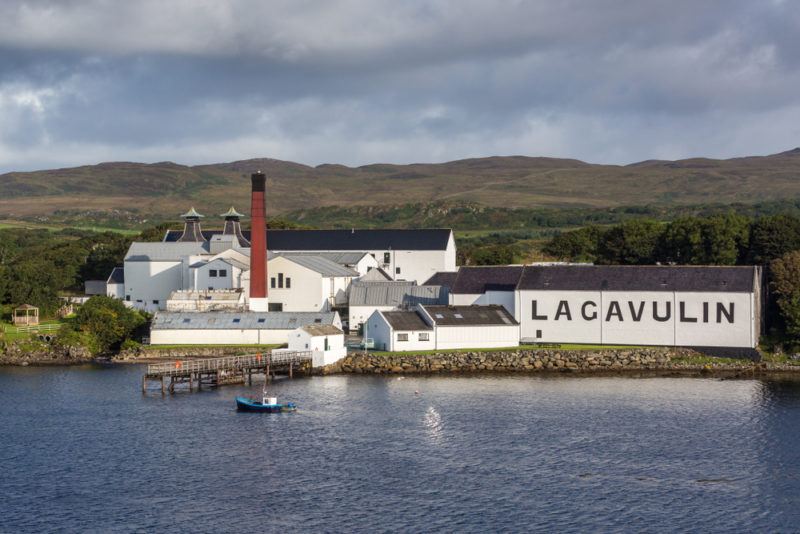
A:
{"x": 307, "y": 283}
{"x": 115, "y": 285}
{"x": 397, "y": 331}
{"x": 443, "y": 328}
{"x": 325, "y": 341}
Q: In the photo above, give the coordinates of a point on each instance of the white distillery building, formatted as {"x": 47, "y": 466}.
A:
{"x": 367, "y": 297}
{"x": 412, "y": 255}
{"x": 703, "y": 307}
{"x": 444, "y": 328}
{"x": 307, "y": 283}
{"x": 233, "y": 328}
{"x": 319, "y": 264}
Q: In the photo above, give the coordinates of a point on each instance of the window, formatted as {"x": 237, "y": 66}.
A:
{"x": 402, "y": 337}
{"x": 538, "y": 334}
{"x": 212, "y": 273}
{"x": 262, "y": 320}
{"x": 458, "y": 316}
{"x": 327, "y": 347}
{"x": 317, "y": 320}
{"x": 387, "y": 257}
{"x": 280, "y": 280}
{"x": 424, "y": 336}
{"x": 272, "y": 282}
{"x": 237, "y": 320}
{"x": 187, "y": 321}
{"x": 155, "y": 302}
{"x": 397, "y": 270}
{"x": 288, "y": 283}
{"x": 275, "y": 306}
{"x": 128, "y": 298}
{"x": 438, "y": 315}
{"x": 139, "y": 301}
{"x": 223, "y": 273}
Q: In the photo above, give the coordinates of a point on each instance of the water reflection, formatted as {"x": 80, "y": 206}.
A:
{"x": 368, "y": 454}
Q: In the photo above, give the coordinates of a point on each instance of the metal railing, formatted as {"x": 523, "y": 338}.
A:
{"x": 227, "y": 363}
{"x": 32, "y": 328}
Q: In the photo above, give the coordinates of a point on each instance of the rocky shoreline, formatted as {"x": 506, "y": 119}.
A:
{"x": 645, "y": 361}
{"x": 621, "y": 362}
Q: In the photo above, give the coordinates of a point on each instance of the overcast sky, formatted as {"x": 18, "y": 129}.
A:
{"x": 356, "y": 82}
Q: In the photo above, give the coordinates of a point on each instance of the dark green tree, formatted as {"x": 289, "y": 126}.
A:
{"x": 108, "y": 320}
{"x": 772, "y": 237}
{"x": 785, "y": 274}
{"x": 633, "y": 242}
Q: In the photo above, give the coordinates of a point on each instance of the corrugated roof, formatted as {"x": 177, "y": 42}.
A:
{"x": 139, "y": 251}
{"x": 292, "y": 240}
{"x": 117, "y": 276}
{"x": 395, "y": 294}
{"x": 239, "y": 320}
{"x": 443, "y": 278}
{"x": 477, "y": 280}
{"x": 321, "y": 265}
{"x": 639, "y": 278}
{"x": 488, "y": 315}
{"x": 322, "y": 329}
{"x": 406, "y": 320}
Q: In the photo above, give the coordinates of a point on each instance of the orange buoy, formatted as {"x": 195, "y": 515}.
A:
{"x": 177, "y": 365}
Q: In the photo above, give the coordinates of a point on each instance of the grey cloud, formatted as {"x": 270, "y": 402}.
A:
{"x": 356, "y": 82}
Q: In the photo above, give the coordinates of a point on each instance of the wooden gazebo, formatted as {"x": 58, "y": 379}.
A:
{"x": 26, "y": 315}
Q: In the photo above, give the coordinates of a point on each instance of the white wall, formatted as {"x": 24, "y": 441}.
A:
{"x": 218, "y": 337}
{"x": 307, "y": 292}
{"x": 386, "y": 338}
{"x": 502, "y": 298}
{"x": 203, "y": 280}
{"x": 115, "y": 290}
{"x": 147, "y": 281}
{"x": 635, "y": 324}
{"x": 300, "y": 340}
{"x": 365, "y": 264}
{"x": 476, "y": 337}
{"x": 359, "y": 314}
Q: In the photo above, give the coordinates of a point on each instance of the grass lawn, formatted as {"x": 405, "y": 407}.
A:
{"x": 171, "y": 347}
{"x": 12, "y": 333}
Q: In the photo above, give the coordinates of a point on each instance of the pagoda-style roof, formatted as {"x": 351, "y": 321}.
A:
{"x": 231, "y": 213}
{"x": 191, "y": 214}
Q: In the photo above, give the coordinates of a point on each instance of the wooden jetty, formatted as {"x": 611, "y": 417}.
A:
{"x": 214, "y": 372}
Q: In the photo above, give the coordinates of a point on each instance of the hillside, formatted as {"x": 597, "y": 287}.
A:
{"x": 162, "y": 190}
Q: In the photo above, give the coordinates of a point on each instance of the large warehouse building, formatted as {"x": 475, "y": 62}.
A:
{"x": 641, "y": 305}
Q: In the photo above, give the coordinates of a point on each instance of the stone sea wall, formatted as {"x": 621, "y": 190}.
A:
{"x": 511, "y": 361}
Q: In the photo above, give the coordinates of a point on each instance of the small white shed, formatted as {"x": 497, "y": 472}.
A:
{"x": 325, "y": 341}
{"x": 400, "y": 331}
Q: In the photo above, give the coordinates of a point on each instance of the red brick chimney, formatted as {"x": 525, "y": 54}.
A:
{"x": 258, "y": 245}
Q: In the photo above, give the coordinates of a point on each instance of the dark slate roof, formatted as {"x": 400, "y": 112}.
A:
{"x": 639, "y": 278}
{"x": 295, "y": 240}
{"x": 492, "y": 314}
{"x": 117, "y": 276}
{"x": 406, "y": 320}
{"x": 476, "y": 280}
{"x": 443, "y": 278}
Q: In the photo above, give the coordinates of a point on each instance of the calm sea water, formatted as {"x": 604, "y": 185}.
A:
{"x": 82, "y": 450}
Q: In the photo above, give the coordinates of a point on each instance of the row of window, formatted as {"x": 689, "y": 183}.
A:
{"x": 423, "y": 336}
{"x": 279, "y": 282}
{"x": 214, "y": 273}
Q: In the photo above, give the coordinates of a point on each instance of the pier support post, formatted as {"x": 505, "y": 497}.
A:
{"x": 162, "y": 384}
{"x": 144, "y": 384}
{"x": 290, "y": 369}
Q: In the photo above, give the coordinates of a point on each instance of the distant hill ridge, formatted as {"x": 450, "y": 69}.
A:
{"x": 498, "y": 181}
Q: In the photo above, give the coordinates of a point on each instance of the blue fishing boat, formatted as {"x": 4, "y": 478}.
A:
{"x": 266, "y": 404}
